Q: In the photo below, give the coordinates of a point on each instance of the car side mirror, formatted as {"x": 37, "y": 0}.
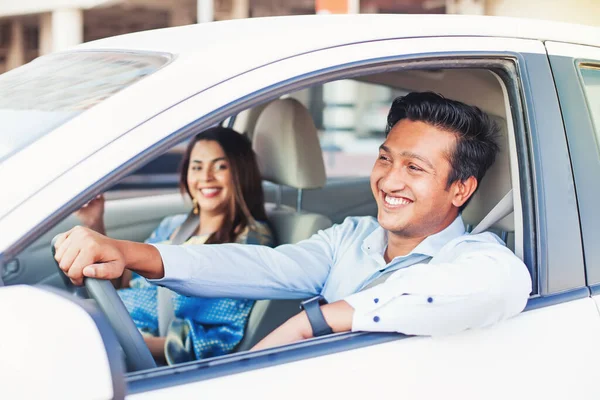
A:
{"x": 53, "y": 345}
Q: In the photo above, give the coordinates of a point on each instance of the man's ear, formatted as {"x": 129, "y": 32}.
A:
{"x": 463, "y": 190}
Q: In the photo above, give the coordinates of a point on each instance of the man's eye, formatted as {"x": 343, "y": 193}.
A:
{"x": 383, "y": 158}
{"x": 415, "y": 168}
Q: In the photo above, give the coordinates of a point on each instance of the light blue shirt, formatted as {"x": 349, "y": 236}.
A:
{"x": 470, "y": 280}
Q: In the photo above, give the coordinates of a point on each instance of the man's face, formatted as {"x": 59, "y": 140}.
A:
{"x": 409, "y": 180}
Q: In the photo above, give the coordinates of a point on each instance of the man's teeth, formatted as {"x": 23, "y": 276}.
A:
{"x": 209, "y": 191}
{"x": 396, "y": 200}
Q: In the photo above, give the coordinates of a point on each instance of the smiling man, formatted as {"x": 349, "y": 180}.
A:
{"x": 413, "y": 270}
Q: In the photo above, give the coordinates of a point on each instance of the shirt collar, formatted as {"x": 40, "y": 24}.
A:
{"x": 376, "y": 242}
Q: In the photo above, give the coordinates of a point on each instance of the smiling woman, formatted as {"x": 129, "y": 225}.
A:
{"x": 220, "y": 174}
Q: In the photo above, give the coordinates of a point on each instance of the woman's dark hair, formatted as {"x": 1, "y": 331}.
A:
{"x": 476, "y": 132}
{"x": 247, "y": 183}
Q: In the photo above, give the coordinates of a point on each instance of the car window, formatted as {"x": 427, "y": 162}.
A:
{"x": 49, "y": 91}
{"x": 350, "y": 117}
{"x": 591, "y": 83}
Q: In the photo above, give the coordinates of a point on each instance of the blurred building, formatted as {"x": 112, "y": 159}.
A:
{"x": 29, "y": 28}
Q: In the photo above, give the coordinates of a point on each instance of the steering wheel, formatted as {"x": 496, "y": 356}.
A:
{"x": 137, "y": 354}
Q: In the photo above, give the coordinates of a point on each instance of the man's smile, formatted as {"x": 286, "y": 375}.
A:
{"x": 395, "y": 202}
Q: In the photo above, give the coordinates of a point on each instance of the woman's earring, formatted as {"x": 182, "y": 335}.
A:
{"x": 196, "y": 206}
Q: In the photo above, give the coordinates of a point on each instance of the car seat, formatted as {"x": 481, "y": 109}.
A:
{"x": 287, "y": 147}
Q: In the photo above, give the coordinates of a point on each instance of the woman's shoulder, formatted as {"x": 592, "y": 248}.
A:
{"x": 257, "y": 232}
{"x": 166, "y": 228}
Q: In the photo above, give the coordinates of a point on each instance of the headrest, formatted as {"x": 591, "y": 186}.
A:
{"x": 287, "y": 146}
{"x": 494, "y": 186}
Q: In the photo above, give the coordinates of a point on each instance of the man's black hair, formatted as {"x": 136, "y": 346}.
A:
{"x": 476, "y": 132}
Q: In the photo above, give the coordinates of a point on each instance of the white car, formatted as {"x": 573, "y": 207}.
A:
{"x": 80, "y": 122}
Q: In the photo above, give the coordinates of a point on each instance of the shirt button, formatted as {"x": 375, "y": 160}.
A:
{"x": 430, "y": 299}
{"x": 376, "y": 300}
{"x": 376, "y": 318}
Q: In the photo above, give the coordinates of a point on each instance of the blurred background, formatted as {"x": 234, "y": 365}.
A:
{"x": 30, "y": 28}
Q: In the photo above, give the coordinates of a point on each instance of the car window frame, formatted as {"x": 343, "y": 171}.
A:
{"x": 566, "y": 59}
{"x": 238, "y": 362}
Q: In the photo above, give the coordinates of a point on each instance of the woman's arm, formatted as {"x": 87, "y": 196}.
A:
{"x": 91, "y": 214}
{"x": 156, "y": 345}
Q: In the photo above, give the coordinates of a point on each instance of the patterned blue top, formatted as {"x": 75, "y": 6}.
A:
{"x": 203, "y": 327}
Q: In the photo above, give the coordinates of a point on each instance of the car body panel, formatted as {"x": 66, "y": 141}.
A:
{"x": 490, "y": 363}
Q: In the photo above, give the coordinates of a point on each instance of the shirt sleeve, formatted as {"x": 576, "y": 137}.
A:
{"x": 251, "y": 271}
{"x": 483, "y": 284}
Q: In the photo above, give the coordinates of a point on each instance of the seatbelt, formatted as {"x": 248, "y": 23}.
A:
{"x": 500, "y": 210}
{"x": 164, "y": 296}
{"x": 504, "y": 207}
{"x": 384, "y": 277}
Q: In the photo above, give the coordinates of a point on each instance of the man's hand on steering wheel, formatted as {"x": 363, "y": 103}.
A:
{"x": 81, "y": 252}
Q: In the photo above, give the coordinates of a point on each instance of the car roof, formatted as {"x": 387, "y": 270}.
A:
{"x": 297, "y": 34}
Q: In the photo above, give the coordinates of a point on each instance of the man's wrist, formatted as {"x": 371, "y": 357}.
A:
{"x": 312, "y": 308}
{"x": 338, "y": 316}
{"x": 141, "y": 258}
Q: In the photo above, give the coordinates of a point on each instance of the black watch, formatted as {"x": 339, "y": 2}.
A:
{"x": 315, "y": 316}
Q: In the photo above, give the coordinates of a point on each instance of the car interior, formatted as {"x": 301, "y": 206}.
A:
{"x": 313, "y": 181}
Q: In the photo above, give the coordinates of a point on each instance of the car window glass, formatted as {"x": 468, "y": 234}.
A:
{"x": 350, "y": 117}
{"x": 49, "y": 91}
{"x": 591, "y": 83}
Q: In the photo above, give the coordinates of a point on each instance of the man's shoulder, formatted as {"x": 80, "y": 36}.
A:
{"x": 467, "y": 243}
{"x": 483, "y": 237}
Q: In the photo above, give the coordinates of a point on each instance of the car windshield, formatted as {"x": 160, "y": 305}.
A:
{"x": 49, "y": 91}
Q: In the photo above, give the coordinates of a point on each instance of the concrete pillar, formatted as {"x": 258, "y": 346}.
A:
{"x": 353, "y": 6}
{"x": 240, "y": 9}
{"x": 470, "y": 7}
{"x": 16, "y": 49}
{"x": 205, "y": 10}
{"x": 45, "y": 33}
{"x": 60, "y": 30}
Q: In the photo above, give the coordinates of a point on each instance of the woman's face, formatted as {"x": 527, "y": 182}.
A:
{"x": 209, "y": 178}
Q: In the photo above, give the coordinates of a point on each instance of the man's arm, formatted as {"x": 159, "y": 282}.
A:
{"x": 484, "y": 284}
{"x": 82, "y": 252}
{"x": 481, "y": 284}
{"x": 227, "y": 270}
{"x": 338, "y": 316}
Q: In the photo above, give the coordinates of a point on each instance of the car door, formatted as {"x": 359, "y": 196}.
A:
{"x": 577, "y": 73}
{"x": 544, "y": 352}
